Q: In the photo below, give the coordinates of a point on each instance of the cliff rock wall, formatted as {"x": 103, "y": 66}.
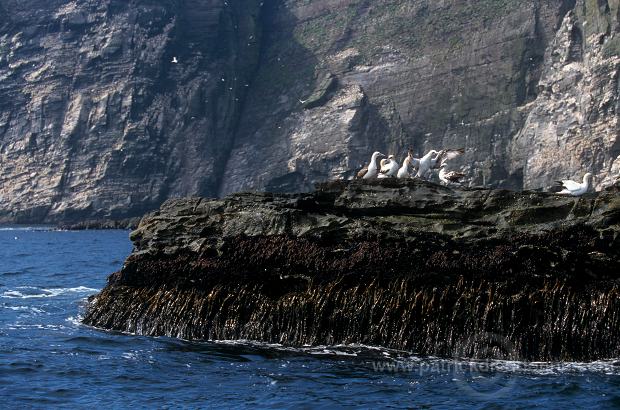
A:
{"x": 572, "y": 126}
{"x": 108, "y": 108}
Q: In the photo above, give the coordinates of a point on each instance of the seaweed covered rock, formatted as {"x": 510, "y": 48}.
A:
{"x": 406, "y": 265}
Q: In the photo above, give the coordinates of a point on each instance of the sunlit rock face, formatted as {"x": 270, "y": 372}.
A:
{"x": 108, "y": 108}
{"x": 572, "y": 126}
{"x": 405, "y": 265}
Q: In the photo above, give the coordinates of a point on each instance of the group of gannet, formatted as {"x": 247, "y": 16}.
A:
{"x": 414, "y": 167}
{"x": 438, "y": 160}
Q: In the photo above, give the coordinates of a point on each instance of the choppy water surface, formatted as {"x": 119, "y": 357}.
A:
{"x": 48, "y": 359}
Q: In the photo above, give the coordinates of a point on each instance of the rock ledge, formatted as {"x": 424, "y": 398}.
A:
{"x": 405, "y": 265}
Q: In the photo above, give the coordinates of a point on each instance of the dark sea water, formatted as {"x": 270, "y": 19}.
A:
{"x": 48, "y": 359}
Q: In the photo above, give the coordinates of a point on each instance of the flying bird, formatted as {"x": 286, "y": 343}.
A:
{"x": 175, "y": 60}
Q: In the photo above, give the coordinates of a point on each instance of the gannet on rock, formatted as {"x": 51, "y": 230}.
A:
{"x": 390, "y": 168}
{"x": 410, "y": 161}
{"x": 372, "y": 169}
{"x": 403, "y": 172}
{"x": 426, "y": 163}
{"x": 575, "y": 188}
{"x": 433, "y": 159}
{"x": 449, "y": 177}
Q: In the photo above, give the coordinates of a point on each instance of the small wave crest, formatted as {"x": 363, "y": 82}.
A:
{"x": 29, "y": 292}
{"x": 397, "y": 361}
{"x": 28, "y": 229}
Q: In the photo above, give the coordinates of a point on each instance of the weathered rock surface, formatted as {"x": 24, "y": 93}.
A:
{"x": 572, "y": 127}
{"x": 406, "y": 265}
{"x": 98, "y": 122}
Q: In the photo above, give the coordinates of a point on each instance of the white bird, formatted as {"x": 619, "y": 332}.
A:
{"x": 403, "y": 172}
{"x": 447, "y": 155}
{"x": 449, "y": 177}
{"x": 427, "y": 162}
{"x": 410, "y": 161}
{"x": 372, "y": 169}
{"x": 175, "y": 60}
{"x": 575, "y": 188}
{"x": 390, "y": 169}
{"x": 434, "y": 159}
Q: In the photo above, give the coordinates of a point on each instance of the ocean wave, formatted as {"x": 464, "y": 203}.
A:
{"x": 24, "y": 309}
{"x": 29, "y": 292}
{"x": 398, "y": 361}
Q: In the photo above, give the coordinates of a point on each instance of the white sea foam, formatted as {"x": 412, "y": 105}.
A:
{"x": 28, "y": 228}
{"x": 75, "y": 320}
{"x": 24, "y": 309}
{"x": 29, "y": 292}
{"x": 406, "y": 361}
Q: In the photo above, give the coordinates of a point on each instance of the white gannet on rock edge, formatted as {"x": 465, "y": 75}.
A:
{"x": 403, "y": 172}
{"x": 426, "y": 163}
{"x": 575, "y": 188}
{"x": 390, "y": 168}
{"x": 372, "y": 169}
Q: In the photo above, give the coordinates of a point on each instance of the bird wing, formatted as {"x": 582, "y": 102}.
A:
{"x": 447, "y": 155}
{"x": 362, "y": 172}
{"x": 454, "y": 176}
{"x": 571, "y": 185}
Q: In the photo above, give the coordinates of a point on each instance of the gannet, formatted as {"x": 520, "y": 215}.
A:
{"x": 447, "y": 155}
{"x": 403, "y": 172}
{"x": 427, "y": 162}
{"x": 372, "y": 169}
{"x": 410, "y": 161}
{"x": 434, "y": 159}
{"x": 449, "y": 177}
{"x": 575, "y": 188}
{"x": 175, "y": 60}
{"x": 390, "y": 169}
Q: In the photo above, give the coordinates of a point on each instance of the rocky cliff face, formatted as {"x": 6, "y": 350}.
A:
{"x": 108, "y": 108}
{"x": 96, "y": 120}
{"x": 405, "y": 265}
{"x": 572, "y": 126}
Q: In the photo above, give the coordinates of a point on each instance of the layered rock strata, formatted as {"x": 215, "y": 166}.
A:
{"x": 109, "y": 108}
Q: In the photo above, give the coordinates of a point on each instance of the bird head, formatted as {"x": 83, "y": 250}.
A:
{"x": 588, "y": 177}
{"x": 377, "y": 154}
{"x": 391, "y": 157}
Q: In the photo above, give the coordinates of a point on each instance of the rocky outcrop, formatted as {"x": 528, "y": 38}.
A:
{"x": 108, "y": 108}
{"x": 405, "y": 265}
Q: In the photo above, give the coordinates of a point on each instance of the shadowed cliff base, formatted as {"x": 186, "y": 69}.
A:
{"x": 405, "y": 265}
